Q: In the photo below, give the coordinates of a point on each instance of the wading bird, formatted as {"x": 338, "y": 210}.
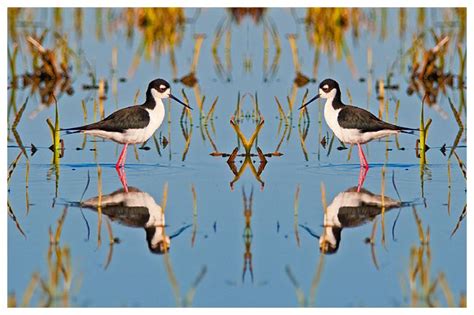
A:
{"x": 350, "y": 124}
{"x": 134, "y": 124}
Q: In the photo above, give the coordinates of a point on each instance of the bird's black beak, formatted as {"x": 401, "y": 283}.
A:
{"x": 310, "y": 101}
{"x": 177, "y": 100}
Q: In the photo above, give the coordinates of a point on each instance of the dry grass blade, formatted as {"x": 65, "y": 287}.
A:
{"x": 12, "y": 215}
{"x": 19, "y": 142}
{"x": 316, "y": 280}
{"x": 280, "y": 111}
{"x": 210, "y": 114}
{"x": 193, "y": 235}
{"x": 457, "y": 116}
{"x": 172, "y": 278}
{"x": 13, "y": 165}
{"x": 19, "y": 114}
{"x": 164, "y": 200}
{"x": 299, "y": 292}
{"x": 135, "y": 98}
{"x": 30, "y": 289}
{"x": 421, "y": 234}
{"x": 383, "y": 207}
{"x": 15, "y": 124}
{"x": 446, "y": 290}
{"x": 111, "y": 243}
{"x": 295, "y": 215}
{"x": 461, "y": 164}
{"x": 99, "y": 204}
{"x": 461, "y": 217}
{"x": 59, "y": 229}
{"x": 188, "y": 300}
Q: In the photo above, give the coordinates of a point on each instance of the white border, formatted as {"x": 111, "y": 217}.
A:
{"x": 200, "y": 3}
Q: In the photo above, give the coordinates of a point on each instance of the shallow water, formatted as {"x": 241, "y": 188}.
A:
{"x": 233, "y": 255}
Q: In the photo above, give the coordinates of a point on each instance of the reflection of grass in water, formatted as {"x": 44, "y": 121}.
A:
{"x": 57, "y": 147}
{"x": 326, "y": 28}
{"x": 295, "y": 215}
{"x": 310, "y": 300}
{"x": 53, "y": 289}
{"x": 161, "y": 29}
{"x": 193, "y": 237}
{"x": 187, "y": 300}
{"x": 423, "y": 287}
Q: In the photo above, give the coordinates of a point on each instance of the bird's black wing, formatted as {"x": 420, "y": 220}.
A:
{"x": 351, "y": 117}
{"x": 129, "y": 216}
{"x": 133, "y": 117}
{"x": 359, "y": 215}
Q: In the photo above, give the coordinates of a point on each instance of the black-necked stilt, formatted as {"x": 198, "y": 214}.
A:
{"x": 135, "y": 208}
{"x": 352, "y": 125}
{"x": 134, "y": 124}
{"x": 351, "y": 208}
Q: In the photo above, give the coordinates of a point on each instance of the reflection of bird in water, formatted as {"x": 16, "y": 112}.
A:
{"x": 136, "y": 208}
{"x": 348, "y": 209}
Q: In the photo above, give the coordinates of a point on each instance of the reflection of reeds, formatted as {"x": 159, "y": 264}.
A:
{"x": 161, "y": 29}
{"x": 247, "y": 235}
{"x": 326, "y": 28}
{"x": 383, "y": 205}
{"x": 299, "y": 292}
{"x": 457, "y": 116}
{"x": 57, "y": 147}
{"x": 99, "y": 205}
{"x": 13, "y": 216}
{"x": 15, "y": 124}
{"x": 460, "y": 219}
{"x": 300, "y": 79}
{"x": 424, "y": 126}
{"x": 247, "y": 144}
{"x": 54, "y": 289}
{"x": 195, "y": 226}
{"x": 295, "y": 215}
{"x": 427, "y": 70}
{"x": 423, "y": 287}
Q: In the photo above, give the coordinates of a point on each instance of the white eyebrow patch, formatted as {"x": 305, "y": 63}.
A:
{"x": 325, "y": 86}
{"x": 162, "y": 87}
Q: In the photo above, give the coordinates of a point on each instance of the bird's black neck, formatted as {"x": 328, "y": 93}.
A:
{"x": 336, "y": 102}
{"x": 150, "y": 100}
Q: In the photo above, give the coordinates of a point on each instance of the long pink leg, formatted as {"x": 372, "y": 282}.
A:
{"x": 363, "y": 160}
{"x": 362, "y": 174}
{"x": 123, "y": 178}
{"x": 121, "y": 157}
{"x": 124, "y": 156}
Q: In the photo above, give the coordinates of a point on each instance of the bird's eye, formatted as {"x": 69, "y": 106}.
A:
{"x": 162, "y": 88}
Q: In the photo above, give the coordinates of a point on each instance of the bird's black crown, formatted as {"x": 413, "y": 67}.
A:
{"x": 329, "y": 84}
{"x": 159, "y": 84}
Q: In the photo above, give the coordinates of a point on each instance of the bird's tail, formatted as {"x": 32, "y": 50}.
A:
{"x": 71, "y": 130}
{"x": 409, "y": 131}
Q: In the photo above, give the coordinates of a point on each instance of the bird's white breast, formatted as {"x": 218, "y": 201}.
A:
{"x": 330, "y": 115}
{"x": 157, "y": 116}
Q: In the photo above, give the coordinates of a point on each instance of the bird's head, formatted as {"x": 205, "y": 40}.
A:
{"x": 160, "y": 89}
{"x": 328, "y": 89}
{"x": 158, "y": 242}
{"x": 329, "y": 242}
